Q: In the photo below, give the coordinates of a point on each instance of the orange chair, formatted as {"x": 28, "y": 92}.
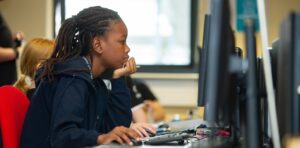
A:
{"x": 13, "y": 108}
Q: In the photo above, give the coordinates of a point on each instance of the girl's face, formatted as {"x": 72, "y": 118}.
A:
{"x": 114, "y": 46}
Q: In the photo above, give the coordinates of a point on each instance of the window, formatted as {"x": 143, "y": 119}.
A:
{"x": 161, "y": 33}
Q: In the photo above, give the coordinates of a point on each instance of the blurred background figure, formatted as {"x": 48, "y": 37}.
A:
{"x": 35, "y": 52}
{"x": 145, "y": 106}
{"x": 8, "y": 53}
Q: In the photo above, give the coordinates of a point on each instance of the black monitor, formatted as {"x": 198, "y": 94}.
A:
{"x": 203, "y": 62}
{"x": 273, "y": 58}
{"x": 253, "y": 107}
{"x": 288, "y": 76}
{"x": 217, "y": 74}
{"x": 262, "y": 92}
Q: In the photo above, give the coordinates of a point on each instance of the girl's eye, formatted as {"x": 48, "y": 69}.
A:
{"x": 123, "y": 41}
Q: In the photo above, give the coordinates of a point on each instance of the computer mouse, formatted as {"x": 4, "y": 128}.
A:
{"x": 164, "y": 125}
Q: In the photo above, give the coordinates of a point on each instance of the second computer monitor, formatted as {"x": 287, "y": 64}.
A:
{"x": 288, "y": 76}
{"x": 203, "y": 62}
{"x": 221, "y": 43}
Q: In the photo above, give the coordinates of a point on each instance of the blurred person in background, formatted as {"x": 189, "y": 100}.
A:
{"x": 144, "y": 104}
{"x": 8, "y": 53}
{"x": 35, "y": 52}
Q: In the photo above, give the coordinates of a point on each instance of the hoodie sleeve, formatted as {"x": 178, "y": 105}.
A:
{"x": 69, "y": 109}
{"x": 120, "y": 103}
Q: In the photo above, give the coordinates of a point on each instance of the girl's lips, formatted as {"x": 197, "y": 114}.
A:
{"x": 126, "y": 58}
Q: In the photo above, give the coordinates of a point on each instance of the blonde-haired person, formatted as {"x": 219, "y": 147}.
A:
{"x": 35, "y": 51}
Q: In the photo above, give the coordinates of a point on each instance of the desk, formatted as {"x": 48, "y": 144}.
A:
{"x": 212, "y": 143}
{"x": 143, "y": 146}
{"x": 178, "y": 125}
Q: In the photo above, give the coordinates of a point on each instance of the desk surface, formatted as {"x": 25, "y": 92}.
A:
{"x": 188, "y": 145}
{"x": 214, "y": 142}
{"x": 142, "y": 146}
{"x": 211, "y": 142}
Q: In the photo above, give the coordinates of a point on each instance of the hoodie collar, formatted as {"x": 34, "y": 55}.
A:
{"x": 75, "y": 67}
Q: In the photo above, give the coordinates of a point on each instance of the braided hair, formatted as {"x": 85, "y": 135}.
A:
{"x": 76, "y": 34}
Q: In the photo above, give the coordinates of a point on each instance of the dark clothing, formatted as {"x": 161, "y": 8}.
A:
{"x": 139, "y": 91}
{"x": 72, "y": 110}
{"x": 8, "y": 74}
{"x": 30, "y": 93}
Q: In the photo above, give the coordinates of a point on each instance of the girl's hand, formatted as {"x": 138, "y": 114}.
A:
{"x": 143, "y": 128}
{"x": 119, "y": 134}
{"x": 128, "y": 68}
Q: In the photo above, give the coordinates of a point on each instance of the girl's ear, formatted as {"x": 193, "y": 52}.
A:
{"x": 97, "y": 45}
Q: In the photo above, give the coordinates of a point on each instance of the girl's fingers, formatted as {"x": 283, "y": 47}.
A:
{"x": 140, "y": 134}
{"x": 131, "y": 66}
{"x": 134, "y": 65}
{"x": 142, "y": 130}
{"x": 123, "y": 136}
{"x": 151, "y": 129}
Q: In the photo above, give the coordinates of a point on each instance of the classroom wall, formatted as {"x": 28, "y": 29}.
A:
{"x": 33, "y": 17}
{"x": 276, "y": 10}
{"x": 279, "y": 9}
{"x": 177, "y": 92}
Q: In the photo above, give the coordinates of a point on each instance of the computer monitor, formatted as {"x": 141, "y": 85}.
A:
{"x": 203, "y": 62}
{"x": 262, "y": 95}
{"x": 219, "y": 49}
{"x": 273, "y": 58}
{"x": 288, "y": 76}
{"x": 262, "y": 92}
{"x": 253, "y": 114}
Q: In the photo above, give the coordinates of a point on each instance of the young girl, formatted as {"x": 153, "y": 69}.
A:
{"x": 72, "y": 106}
{"x": 34, "y": 52}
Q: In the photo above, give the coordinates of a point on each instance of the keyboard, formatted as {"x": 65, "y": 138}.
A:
{"x": 166, "y": 138}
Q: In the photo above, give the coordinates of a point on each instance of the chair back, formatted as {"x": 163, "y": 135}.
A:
{"x": 13, "y": 108}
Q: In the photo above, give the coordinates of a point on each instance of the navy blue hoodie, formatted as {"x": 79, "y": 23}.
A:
{"x": 72, "y": 110}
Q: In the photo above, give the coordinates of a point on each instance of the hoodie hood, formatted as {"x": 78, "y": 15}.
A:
{"x": 75, "y": 67}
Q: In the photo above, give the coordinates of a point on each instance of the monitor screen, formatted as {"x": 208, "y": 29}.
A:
{"x": 220, "y": 45}
{"x": 288, "y": 76}
{"x": 203, "y": 62}
{"x": 273, "y": 59}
